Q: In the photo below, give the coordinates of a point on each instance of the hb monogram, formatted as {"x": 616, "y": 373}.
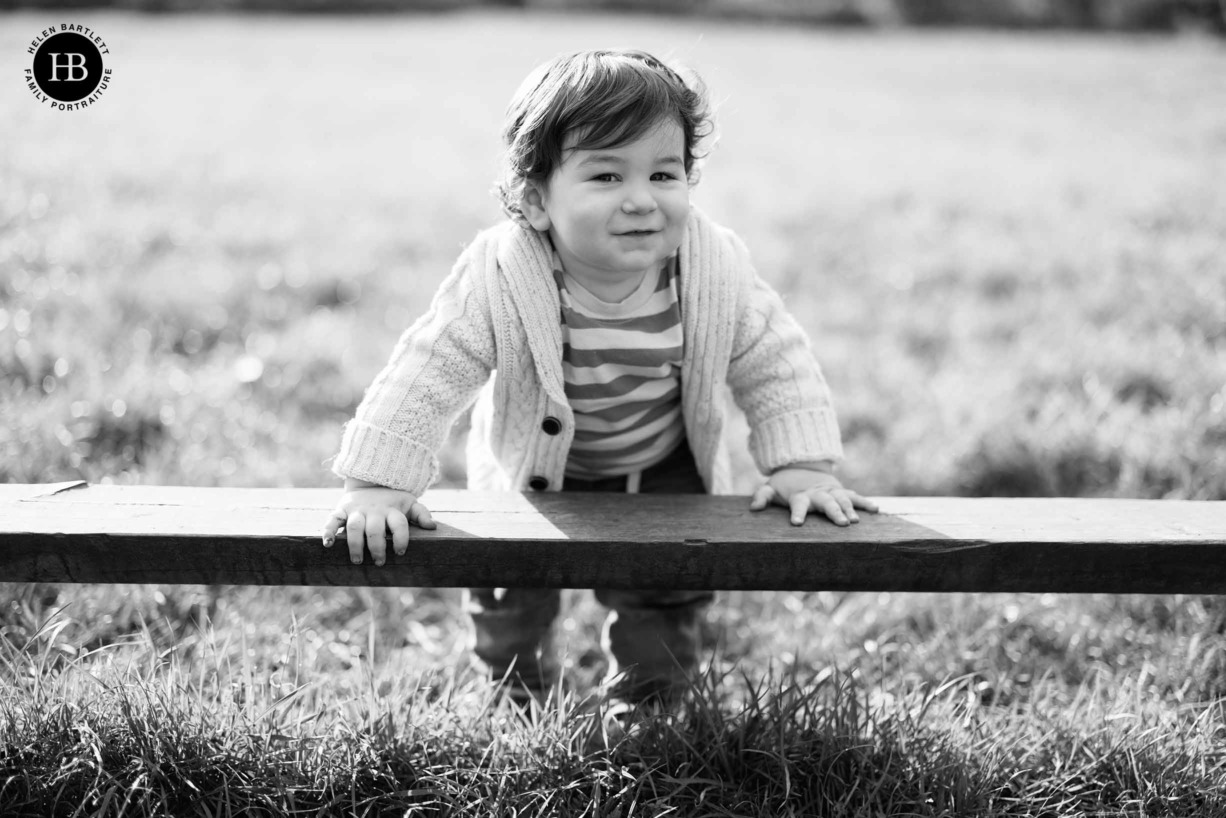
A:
{"x": 72, "y": 65}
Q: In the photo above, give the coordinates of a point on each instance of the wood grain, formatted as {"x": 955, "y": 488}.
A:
{"x": 168, "y": 534}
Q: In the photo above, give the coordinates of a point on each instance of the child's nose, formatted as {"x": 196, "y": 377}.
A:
{"x": 639, "y": 201}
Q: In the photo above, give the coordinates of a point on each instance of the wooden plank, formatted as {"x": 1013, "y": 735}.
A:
{"x": 11, "y": 492}
{"x": 167, "y": 534}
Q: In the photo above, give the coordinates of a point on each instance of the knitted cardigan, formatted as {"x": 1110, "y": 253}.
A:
{"x": 498, "y": 313}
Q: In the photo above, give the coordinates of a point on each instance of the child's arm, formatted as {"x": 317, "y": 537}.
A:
{"x": 811, "y": 486}
{"x": 794, "y": 434}
{"x": 367, "y": 511}
{"x": 388, "y": 453}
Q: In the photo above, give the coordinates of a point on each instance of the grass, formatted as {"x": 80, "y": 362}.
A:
{"x": 1007, "y": 250}
{"x": 209, "y": 719}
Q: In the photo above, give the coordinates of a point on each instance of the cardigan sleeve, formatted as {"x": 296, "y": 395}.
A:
{"x": 435, "y": 372}
{"x": 776, "y": 380}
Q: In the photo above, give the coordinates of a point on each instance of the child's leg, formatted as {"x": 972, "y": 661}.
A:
{"x": 656, "y": 636}
{"x": 512, "y": 630}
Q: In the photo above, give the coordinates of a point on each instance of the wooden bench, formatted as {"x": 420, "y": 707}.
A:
{"x": 73, "y": 532}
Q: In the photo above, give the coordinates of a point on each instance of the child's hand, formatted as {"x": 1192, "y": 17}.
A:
{"x": 367, "y": 511}
{"x": 802, "y": 489}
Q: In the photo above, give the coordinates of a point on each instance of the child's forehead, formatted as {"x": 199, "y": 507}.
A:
{"x": 665, "y": 136}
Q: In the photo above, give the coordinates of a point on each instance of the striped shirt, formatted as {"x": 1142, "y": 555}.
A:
{"x": 622, "y": 367}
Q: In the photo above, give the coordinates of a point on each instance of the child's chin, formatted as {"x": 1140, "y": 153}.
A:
{"x": 639, "y": 261}
{"x": 630, "y": 270}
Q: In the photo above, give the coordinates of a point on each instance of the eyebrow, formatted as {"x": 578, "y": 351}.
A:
{"x": 600, "y": 158}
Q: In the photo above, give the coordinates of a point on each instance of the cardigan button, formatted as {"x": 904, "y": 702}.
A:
{"x": 538, "y": 483}
{"x": 551, "y": 425}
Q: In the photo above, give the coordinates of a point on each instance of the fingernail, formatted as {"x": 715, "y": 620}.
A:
{"x": 378, "y": 562}
{"x": 357, "y": 560}
{"x": 328, "y": 542}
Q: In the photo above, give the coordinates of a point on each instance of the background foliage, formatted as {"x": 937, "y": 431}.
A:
{"x": 1008, "y": 251}
{"x": 1135, "y": 15}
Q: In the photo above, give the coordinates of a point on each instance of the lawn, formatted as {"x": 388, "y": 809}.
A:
{"x": 1009, "y": 252}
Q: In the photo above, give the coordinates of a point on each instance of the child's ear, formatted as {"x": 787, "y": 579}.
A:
{"x": 533, "y": 206}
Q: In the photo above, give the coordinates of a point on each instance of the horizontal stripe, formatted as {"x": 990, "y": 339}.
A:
{"x": 605, "y": 465}
{"x": 654, "y": 322}
{"x": 643, "y": 416}
{"x": 629, "y": 357}
{"x": 629, "y": 419}
{"x": 585, "y": 375}
{"x": 605, "y": 410}
{"x": 622, "y": 417}
{"x": 623, "y": 338}
{"x": 593, "y": 452}
{"x": 623, "y": 388}
{"x": 593, "y": 396}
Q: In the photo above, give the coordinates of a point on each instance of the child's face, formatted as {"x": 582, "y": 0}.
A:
{"x": 616, "y": 213}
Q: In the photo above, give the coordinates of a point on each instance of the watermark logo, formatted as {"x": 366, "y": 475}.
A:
{"x": 68, "y": 70}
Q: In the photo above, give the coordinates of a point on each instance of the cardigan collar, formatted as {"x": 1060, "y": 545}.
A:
{"x": 525, "y": 263}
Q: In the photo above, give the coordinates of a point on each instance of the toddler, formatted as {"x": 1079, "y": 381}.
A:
{"x": 596, "y": 329}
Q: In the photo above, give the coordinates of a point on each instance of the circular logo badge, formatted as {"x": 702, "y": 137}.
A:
{"x": 68, "y": 67}
{"x": 67, "y": 71}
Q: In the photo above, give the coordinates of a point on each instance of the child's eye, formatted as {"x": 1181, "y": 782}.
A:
{"x": 603, "y": 177}
{"x": 664, "y": 176}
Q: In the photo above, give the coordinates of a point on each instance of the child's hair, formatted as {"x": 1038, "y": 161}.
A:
{"x": 604, "y": 99}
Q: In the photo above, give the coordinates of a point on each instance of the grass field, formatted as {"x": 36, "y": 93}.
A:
{"x": 1008, "y": 251}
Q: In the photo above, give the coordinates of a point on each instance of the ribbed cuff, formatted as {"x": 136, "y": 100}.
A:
{"x": 378, "y": 456}
{"x": 797, "y": 437}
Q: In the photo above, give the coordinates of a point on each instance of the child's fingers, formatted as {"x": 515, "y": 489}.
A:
{"x": 863, "y": 502}
{"x": 846, "y": 505}
{"x": 762, "y": 497}
{"x": 799, "y": 504}
{"x": 332, "y": 527}
{"x": 828, "y": 504}
{"x": 376, "y": 537}
{"x": 420, "y": 515}
{"x": 399, "y": 525}
{"x": 355, "y": 527}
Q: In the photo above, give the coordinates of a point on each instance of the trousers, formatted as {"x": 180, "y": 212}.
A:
{"x": 652, "y": 639}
